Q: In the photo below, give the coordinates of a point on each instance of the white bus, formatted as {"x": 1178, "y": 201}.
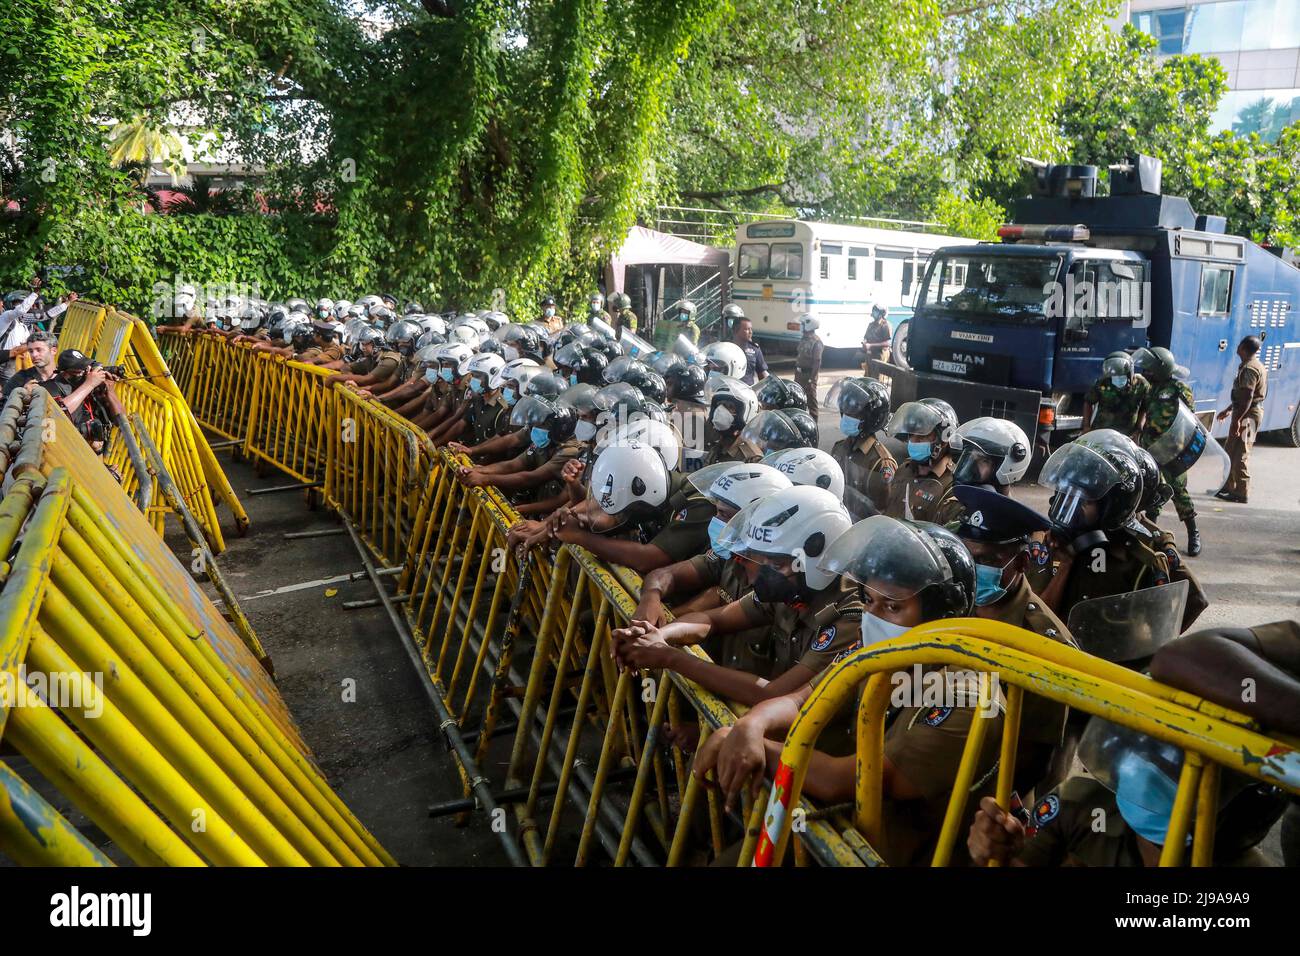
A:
{"x": 787, "y": 267}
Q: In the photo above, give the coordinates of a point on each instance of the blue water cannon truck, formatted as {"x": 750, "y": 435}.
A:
{"x": 1018, "y": 329}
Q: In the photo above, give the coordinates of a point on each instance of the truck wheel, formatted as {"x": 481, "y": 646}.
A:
{"x": 1290, "y": 437}
{"x": 898, "y": 347}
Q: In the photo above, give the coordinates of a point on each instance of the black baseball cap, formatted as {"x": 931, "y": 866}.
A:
{"x": 70, "y": 360}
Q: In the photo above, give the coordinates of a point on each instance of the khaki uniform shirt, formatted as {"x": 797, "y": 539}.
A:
{"x": 1070, "y": 831}
{"x": 814, "y": 635}
{"x": 684, "y": 531}
{"x": 388, "y": 364}
{"x": 1249, "y": 389}
{"x": 869, "y": 470}
{"x": 747, "y": 650}
{"x": 917, "y": 497}
{"x": 1124, "y": 564}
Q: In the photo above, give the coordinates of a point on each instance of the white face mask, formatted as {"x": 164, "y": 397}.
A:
{"x": 723, "y": 419}
{"x": 875, "y": 630}
{"x": 584, "y": 431}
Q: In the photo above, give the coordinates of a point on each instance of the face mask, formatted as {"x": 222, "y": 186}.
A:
{"x": 918, "y": 451}
{"x": 508, "y": 396}
{"x": 773, "y": 587}
{"x": 716, "y": 527}
{"x": 723, "y": 419}
{"x": 573, "y": 378}
{"x": 1141, "y": 785}
{"x": 446, "y": 374}
{"x": 584, "y": 431}
{"x": 988, "y": 584}
{"x": 541, "y": 438}
{"x": 1119, "y": 381}
{"x": 850, "y": 426}
{"x": 875, "y": 629}
{"x": 476, "y": 386}
{"x": 548, "y": 312}
{"x": 431, "y": 375}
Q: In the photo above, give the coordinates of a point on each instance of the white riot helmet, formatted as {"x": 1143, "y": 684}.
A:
{"x": 731, "y": 403}
{"x": 727, "y": 358}
{"x": 809, "y": 322}
{"x": 465, "y": 335}
{"x": 646, "y": 431}
{"x": 991, "y": 450}
{"x": 432, "y": 323}
{"x": 486, "y": 364}
{"x": 324, "y": 306}
{"x": 797, "y": 524}
{"x": 341, "y": 307}
{"x": 457, "y": 355}
{"x": 629, "y": 479}
{"x": 511, "y": 371}
{"x": 735, "y": 485}
{"x": 809, "y": 466}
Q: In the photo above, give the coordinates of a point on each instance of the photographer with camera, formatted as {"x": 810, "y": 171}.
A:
{"x": 86, "y": 391}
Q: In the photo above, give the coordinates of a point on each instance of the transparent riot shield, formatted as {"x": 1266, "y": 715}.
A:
{"x": 1122, "y": 628}
{"x": 1187, "y": 448}
{"x": 635, "y": 346}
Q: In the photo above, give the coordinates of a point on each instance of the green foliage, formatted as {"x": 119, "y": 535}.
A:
{"x": 972, "y": 218}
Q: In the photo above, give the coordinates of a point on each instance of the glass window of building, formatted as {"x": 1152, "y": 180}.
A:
{"x": 1215, "y": 27}
{"x": 1167, "y": 26}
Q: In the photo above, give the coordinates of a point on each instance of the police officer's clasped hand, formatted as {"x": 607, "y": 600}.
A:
{"x": 736, "y": 755}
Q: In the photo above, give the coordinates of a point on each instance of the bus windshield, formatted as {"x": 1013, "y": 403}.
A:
{"x": 1014, "y": 288}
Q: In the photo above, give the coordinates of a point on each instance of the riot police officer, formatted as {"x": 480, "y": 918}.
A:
{"x": 1167, "y": 394}
{"x": 869, "y": 466}
{"x": 808, "y": 359}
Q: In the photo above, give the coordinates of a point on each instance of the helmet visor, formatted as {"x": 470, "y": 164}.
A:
{"x": 889, "y": 557}
{"x": 913, "y": 418}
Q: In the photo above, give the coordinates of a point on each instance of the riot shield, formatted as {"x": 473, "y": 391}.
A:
{"x": 1186, "y": 447}
{"x": 1129, "y": 627}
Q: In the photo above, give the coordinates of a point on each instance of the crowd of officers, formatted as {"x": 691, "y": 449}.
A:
{"x": 697, "y": 468}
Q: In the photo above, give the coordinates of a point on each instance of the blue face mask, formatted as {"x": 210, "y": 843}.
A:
{"x": 541, "y": 438}
{"x": 508, "y": 396}
{"x": 988, "y": 585}
{"x": 1119, "y": 381}
{"x": 716, "y": 527}
{"x": 431, "y": 375}
{"x": 850, "y": 426}
{"x": 447, "y": 374}
{"x": 1140, "y": 787}
{"x": 919, "y": 451}
{"x": 476, "y": 386}
{"x": 573, "y": 378}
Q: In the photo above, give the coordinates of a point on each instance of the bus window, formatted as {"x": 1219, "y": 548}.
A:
{"x": 853, "y": 268}
{"x": 752, "y": 263}
{"x": 825, "y": 271}
{"x": 907, "y": 277}
{"x": 787, "y": 261}
{"x": 832, "y": 249}
{"x": 880, "y": 271}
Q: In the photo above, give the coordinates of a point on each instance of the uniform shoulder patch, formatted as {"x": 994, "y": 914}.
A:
{"x": 1046, "y": 809}
{"x": 936, "y": 716}
{"x": 824, "y": 638}
{"x": 1039, "y": 552}
{"x": 681, "y": 515}
{"x": 887, "y": 470}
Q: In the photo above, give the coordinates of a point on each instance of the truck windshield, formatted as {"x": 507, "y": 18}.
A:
{"x": 972, "y": 287}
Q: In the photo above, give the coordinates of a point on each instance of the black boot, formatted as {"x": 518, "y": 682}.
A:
{"x": 1193, "y": 537}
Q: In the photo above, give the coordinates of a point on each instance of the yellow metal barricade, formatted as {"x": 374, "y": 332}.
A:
{"x": 115, "y": 338}
{"x": 177, "y": 350}
{"x": 1210, "y": 737}
{"x": 289, "y": 417}
{"x": 129, "y": 693}
{"x": 222, "y": 378}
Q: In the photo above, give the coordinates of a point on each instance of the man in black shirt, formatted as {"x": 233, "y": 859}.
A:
{"x": 40, "y": 349}
{"x": 755, "y": 364}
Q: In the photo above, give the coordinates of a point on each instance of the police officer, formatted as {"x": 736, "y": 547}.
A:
{"x": 678, "y": 320}
{"x": 875, "y": 342}
{"x": 596, "y": 308}
{"x": 810, "y": 617}
{"x": 731, "y": 405}
{"x": 550, "y": 317}
{"x": 1249, "y": 389}
{"x": 1167, "y": 393}
{"x": 1118, "y": 398}
{"x": 624, "y": 317}
{"x": 1002, "y": 537}
{"x": 1093, "y": 554}
{"x": 326, "y": 348}
{"x": 922, "y": 482}
{"x": 868, "y": 465}
{"x": 743, "y": 337}
{"x": 992, "y": 453}
{"x": 808, "y": 359}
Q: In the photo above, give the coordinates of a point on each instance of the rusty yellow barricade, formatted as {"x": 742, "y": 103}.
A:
{"x": 177, "y": 350}
{"x": 289, "y": 416}
{"x": 128, "y": 693}
{"x": 1212, "y": 739}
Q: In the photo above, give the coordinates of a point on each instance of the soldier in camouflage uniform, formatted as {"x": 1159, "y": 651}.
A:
{"x": 1118, "y": 398}
{"x": 808, "y": 360}
{"x": 679, "y": 320}
{"x": 1157, "y": 366}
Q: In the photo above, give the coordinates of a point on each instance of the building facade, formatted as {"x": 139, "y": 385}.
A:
{"x": 1257, "y": 41}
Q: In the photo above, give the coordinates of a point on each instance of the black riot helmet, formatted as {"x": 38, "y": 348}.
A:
{"x": 1094, "y": 489}
{"x": 686, "y": 382}
{"x": 1156, "y": 364}
{"x": 641, "y": 376}
{"x": 776, "y": 393}
{"x": 577, "y": 364}
{"x": 520, "y": 341}
{"x": 866, "y": 400}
